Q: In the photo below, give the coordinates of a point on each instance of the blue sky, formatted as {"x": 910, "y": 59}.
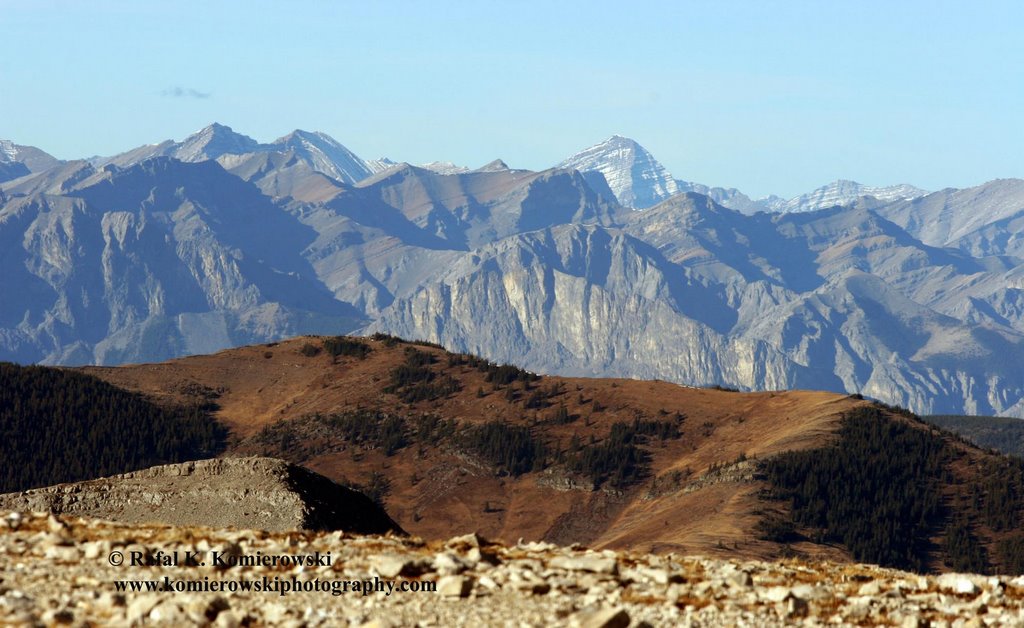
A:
{"x": 769, "y": 97}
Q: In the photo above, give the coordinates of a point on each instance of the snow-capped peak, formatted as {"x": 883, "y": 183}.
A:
{"x": 326, "y": 154}
{"x": 633, "y": 174}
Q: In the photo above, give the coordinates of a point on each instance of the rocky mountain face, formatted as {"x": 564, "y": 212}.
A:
{"x": 160, "y": 259}
{"x": 383, "y": 238}
{"x": 833, "y": 300}
{"x": 258, "y": 493}
{"x": 222, "y": 241}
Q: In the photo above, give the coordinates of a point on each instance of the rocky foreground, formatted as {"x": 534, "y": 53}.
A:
{"x": 64, "y": 570}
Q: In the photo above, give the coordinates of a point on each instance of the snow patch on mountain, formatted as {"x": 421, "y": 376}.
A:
{"x": 844, "y": 192}
{"x": 380, "y": 165}
{"x": 444, "y": 167}
{"x": 8, "y": 151}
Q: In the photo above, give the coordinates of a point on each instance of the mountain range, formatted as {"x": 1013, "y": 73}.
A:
{"x": 603, "y": 265}
{"x": 638, "y": 181}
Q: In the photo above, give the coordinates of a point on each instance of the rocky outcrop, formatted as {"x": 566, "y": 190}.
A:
{"x": 260, "y": 493}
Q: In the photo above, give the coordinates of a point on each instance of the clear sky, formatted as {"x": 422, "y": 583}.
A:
{"x": 769, "y": 97}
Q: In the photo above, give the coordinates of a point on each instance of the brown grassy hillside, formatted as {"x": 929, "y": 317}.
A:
{"x": 439, "y": 490}
{"x": 452, "y": 444}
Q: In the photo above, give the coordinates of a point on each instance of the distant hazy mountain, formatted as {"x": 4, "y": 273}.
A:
{"x": 320, "y": 151}
{"x": 493, "y": 166}
{"x": 282, "y": 174}
{"x": 56, "y": 180}
{"x": 18, "y": 161}
{"x": 12, "y": 170}
{"x": 636, "y": 178}
{"x": 914, "y": 301}
{"x": 447, "y": 167}
{"x": 639, "y": 181}
{"x": 206, "y": 144}
{"x": 983, "y": 220}
{"x": 160, "y": 259}
{"x": 843, "y": 192}
{"x": 379, "y": 165}
{"x": 325, "y": 154}
{"x": 212, "y": 142}
{"x": 755, "y": 302}
{"x": 733, "y": 198}
{"x": 444, "y": 167}
{"x": 440, "y": 167}
{"x": 165, "y": 258}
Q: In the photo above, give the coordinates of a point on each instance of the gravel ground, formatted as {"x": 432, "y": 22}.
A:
{"x": 58, "y": 570}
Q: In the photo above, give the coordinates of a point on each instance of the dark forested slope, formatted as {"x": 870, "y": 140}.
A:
{"x": 61, "y": 426}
